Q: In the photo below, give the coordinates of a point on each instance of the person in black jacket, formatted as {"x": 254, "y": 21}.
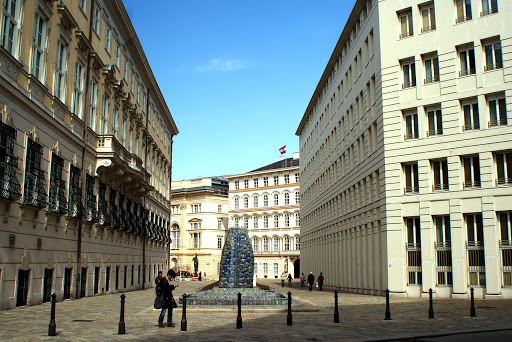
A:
{"x": 311, "y": 281}
{"x": 166, "y": 288}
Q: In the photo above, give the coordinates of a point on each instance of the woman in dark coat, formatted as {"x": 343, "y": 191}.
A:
{"x": 166, "y": 288}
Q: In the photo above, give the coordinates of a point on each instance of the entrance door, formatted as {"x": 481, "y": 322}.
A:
{"x": 22, "y": 293}
{"x": 48, "y": 280}
{"x": 96, "y": 279}
{"x": 83, "y": 282}
{"x": 67, "y": 283}
{"x": 296, "y": 269}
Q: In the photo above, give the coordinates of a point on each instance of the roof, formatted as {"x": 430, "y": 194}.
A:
{"x": 288, "y": 162}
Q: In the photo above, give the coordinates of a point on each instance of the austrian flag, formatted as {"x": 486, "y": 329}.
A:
{"x": 283, "y": 149}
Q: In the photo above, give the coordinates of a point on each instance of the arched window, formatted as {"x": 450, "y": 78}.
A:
{"x": 265, "y": 221}
{"x": 286, "y": 198}
{"x": 237, "y": 203}
{"x": 265, "y": 200}
{"x": 286, "y": 243}
{"x": 286, "y": 220}
{"x": 246, "y": 202}
{"x": 297, "y": 197}
{"x": 175, "y": 236}
{"x": 255, "y": 244}
{"x": 275, "y": 244}
{"x": 265, "y": 244}
{"x": 255, "y": 222}
{"x": 276, "y": 199}
{"x": 297, "y": 243}
{"x": 297, "y": 219}
{"x": 246, "y": 221}
{"x": 276, "y": 221}
{"x": 255, "y": 201}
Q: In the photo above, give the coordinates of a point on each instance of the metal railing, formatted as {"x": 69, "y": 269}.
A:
{"x": 476, "y": 263}
{"x": 506, "y": 262}
{"x": 410, "y": 84}
{"x": 414, "y": 263}
{"x": 431, "y": 79}
{"x": 489, "y": 67}
{"x": 470, "y": 127}
{"x": 405, "y": 35}
{"x": 439, "y": 187}
{"x": 428, "y": 28}
{"x": 500, "y": 122}
{"x": 466, "y": 72}
{"x": 35, "y": 184}
{"x": 433, "y": 132}
{"x": 57, "y": 202}
{"x": 488, "y": 12}
{"x": 411, "y": 190}
{"x": 444, "y": 263}
{"x": 463, "y": 19}
{"x": 472, "y": 184}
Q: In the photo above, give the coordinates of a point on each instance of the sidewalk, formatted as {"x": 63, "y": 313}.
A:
{"x": 361, "y": 318}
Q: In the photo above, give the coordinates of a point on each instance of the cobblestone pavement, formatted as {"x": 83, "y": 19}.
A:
{"x": 361, "y": 318}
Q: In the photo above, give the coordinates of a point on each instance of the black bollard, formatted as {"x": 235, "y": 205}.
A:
{"x": 336, "y": 313}
{"x": 472, "y": 312}
{"x": 289, "y": 317}
{"x": 184, "y": 315}
{"x": 282, "y": 282}
{"x": 52, "y": 327}
{"x": 239, "y": 317}
{"x": 121, "y": 330}
{"x": 388, "y": 312}
{"x": 431, "y": 309}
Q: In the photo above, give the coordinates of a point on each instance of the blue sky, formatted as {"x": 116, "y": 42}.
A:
{"x": 236, "y": 75}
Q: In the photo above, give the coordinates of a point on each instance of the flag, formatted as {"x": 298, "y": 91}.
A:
{"x": 283, "y": 149}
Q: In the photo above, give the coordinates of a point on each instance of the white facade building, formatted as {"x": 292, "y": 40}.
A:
{"x": 406, "y": 152}
{"x": 267, "y": 202}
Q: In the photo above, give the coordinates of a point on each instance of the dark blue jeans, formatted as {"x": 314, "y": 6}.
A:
{"x": 162, "y": 315}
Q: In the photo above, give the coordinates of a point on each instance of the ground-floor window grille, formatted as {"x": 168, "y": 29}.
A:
{"x": 505, "y": 221}
{"x": 413, "y": 250}
{"x": 476, "y": 263}
{"x": 444, "y": 263}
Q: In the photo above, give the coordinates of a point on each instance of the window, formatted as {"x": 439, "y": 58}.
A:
{"x": 471, "y": 115}
{"x": 497, "y": 110}
{"x": 493, "y": 56}
{"x": 276, "y": 199}
{"x": 196, "y": 208}
{"x": 440, "y": 174}
{"x": 286, "y": 198}
{"x": 286, "y": 179}
{"x": 297, "y": 178}
{"x": 93, "y": 105}
{"x": 265, "y": 200}
{"x": 246, "y": 222}
{"x": 411, "y": 125}
{"x": 276, "y": 221}
{"x": 255, "y": 244}
{"x": 108, "y": 39}
{"x": 246, "y": 202}
{"x": 237, "y": 185}
{"x": 435, "y": 122}
{"x": 246, "y": 184}
{"x": 276, "y": 268}
{"x": 75, "y": 193}
{"x": 276, "y": 180}
{"x": 505, "y": 222}
{"x": 471, "y": 168}
{"x": 83, "y": 5}
{"x": 196, "y": 240}
{"x": 123, "y": 130}
{"x": 195, "y": 225}
{"x": 286, "y": 243}
{"x": 39, "y": 47}
{"x": 265, "y": 221}
{"x": 118, "y": 60}
{"x": 409, "y": 74}
{"x": 297, "y": 197}
{"x": 503, "y": 162}
{"x": 428, "y": 17}
{"x": 475, "y": 249}
{"x": 255, "y": 182}
{"x": 237, "y": 203}
{"x": 219, "y": 208}
{"x": 11, "y": 26}
{"x": 78, "y": 92}
{"x": 297, "y": 219}
{"x": 413, "y": 249}
{"x": 255, "y": 222}
{"x": 60, "y": 72}
{"x": 489, "y": 7}
{"x": 236, "y": 221}
{"x": 35, "y": 184}
{"x": 96, "y": 20}
{"x": 463, "y": 10}
{"x": 265, "y": 244}
{"x": 57, "y": 199}
{"x": 104, "y": 115}
{"x": 411, "y": 178}
{"x": 255, "y": 201}
{"x": 219, "y": 242}
{"x": 275, "y": 244}
{"x": 175, "y": 236}
{"x": 286, "y": 220}
{"x": 443, "y": 250}
{"x": 219, "y": 224}
{"x": 431, "y": 69}
{"x": 406, "y": 28}
{"x": 265, "y": 181}
{"x": 467, "y": 61}
{"x": 265, "y": 268}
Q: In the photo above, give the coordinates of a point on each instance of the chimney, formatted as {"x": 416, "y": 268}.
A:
{"x": 295, "y": 155}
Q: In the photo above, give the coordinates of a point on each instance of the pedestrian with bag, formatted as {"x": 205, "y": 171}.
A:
{"x": 311, "y": 281}
{"x": 320, "y": 281}
{"x": 165, "y": 300}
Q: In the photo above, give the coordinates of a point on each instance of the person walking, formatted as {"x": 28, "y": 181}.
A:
{"x": 311, "y": 280}
{"x": 320, "y": 281}
{"x": 289, "y": 280}
{"x": 166, "y": 288}
{"x": 302, "y": 279}
{"x": 157, "y": 280}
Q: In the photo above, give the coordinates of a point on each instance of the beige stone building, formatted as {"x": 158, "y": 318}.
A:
{"x": 199, "y": 221}
{"x": 85, "y": 154}
{"x": 406, "y": 152}
{"x": 266, "y": 201}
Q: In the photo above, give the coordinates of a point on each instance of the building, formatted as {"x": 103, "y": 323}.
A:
{"x": 406, "y": 152}
{"x": 85, "y": 154}
{"x": 199, "y": 222}
{"x": 266, "y": 201}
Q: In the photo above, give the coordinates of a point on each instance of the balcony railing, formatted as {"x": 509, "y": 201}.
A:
{"x": 472, "y": 184}
{"x": 409, "y": 84}
{"x": 431, "y": 79}
{"x": 428, "y": 28}
{"x": 489, "y": 67}
{"x": 57, "y": 199}
{"x": 504, "y": 181}
{"x": 410, "y": 136}
{"x": 500, "y": 122}
{"x": 10, "y": 188}
{"x": 466, "y": 72}
{"x": 411, "y": 190}
{"x": 470, "y": 127}
{"x": 434, "y": 132}
{"x": 440, "y": 187}
{"x": 488, "y": 12}
{"x": 463, "y": 19}
{"x": 35, "y": 184}
{"x": 91, "y": 213}
{"x": 405, "y": 35}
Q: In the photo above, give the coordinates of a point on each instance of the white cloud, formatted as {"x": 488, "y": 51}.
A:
{"x": 221, "y": 64}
